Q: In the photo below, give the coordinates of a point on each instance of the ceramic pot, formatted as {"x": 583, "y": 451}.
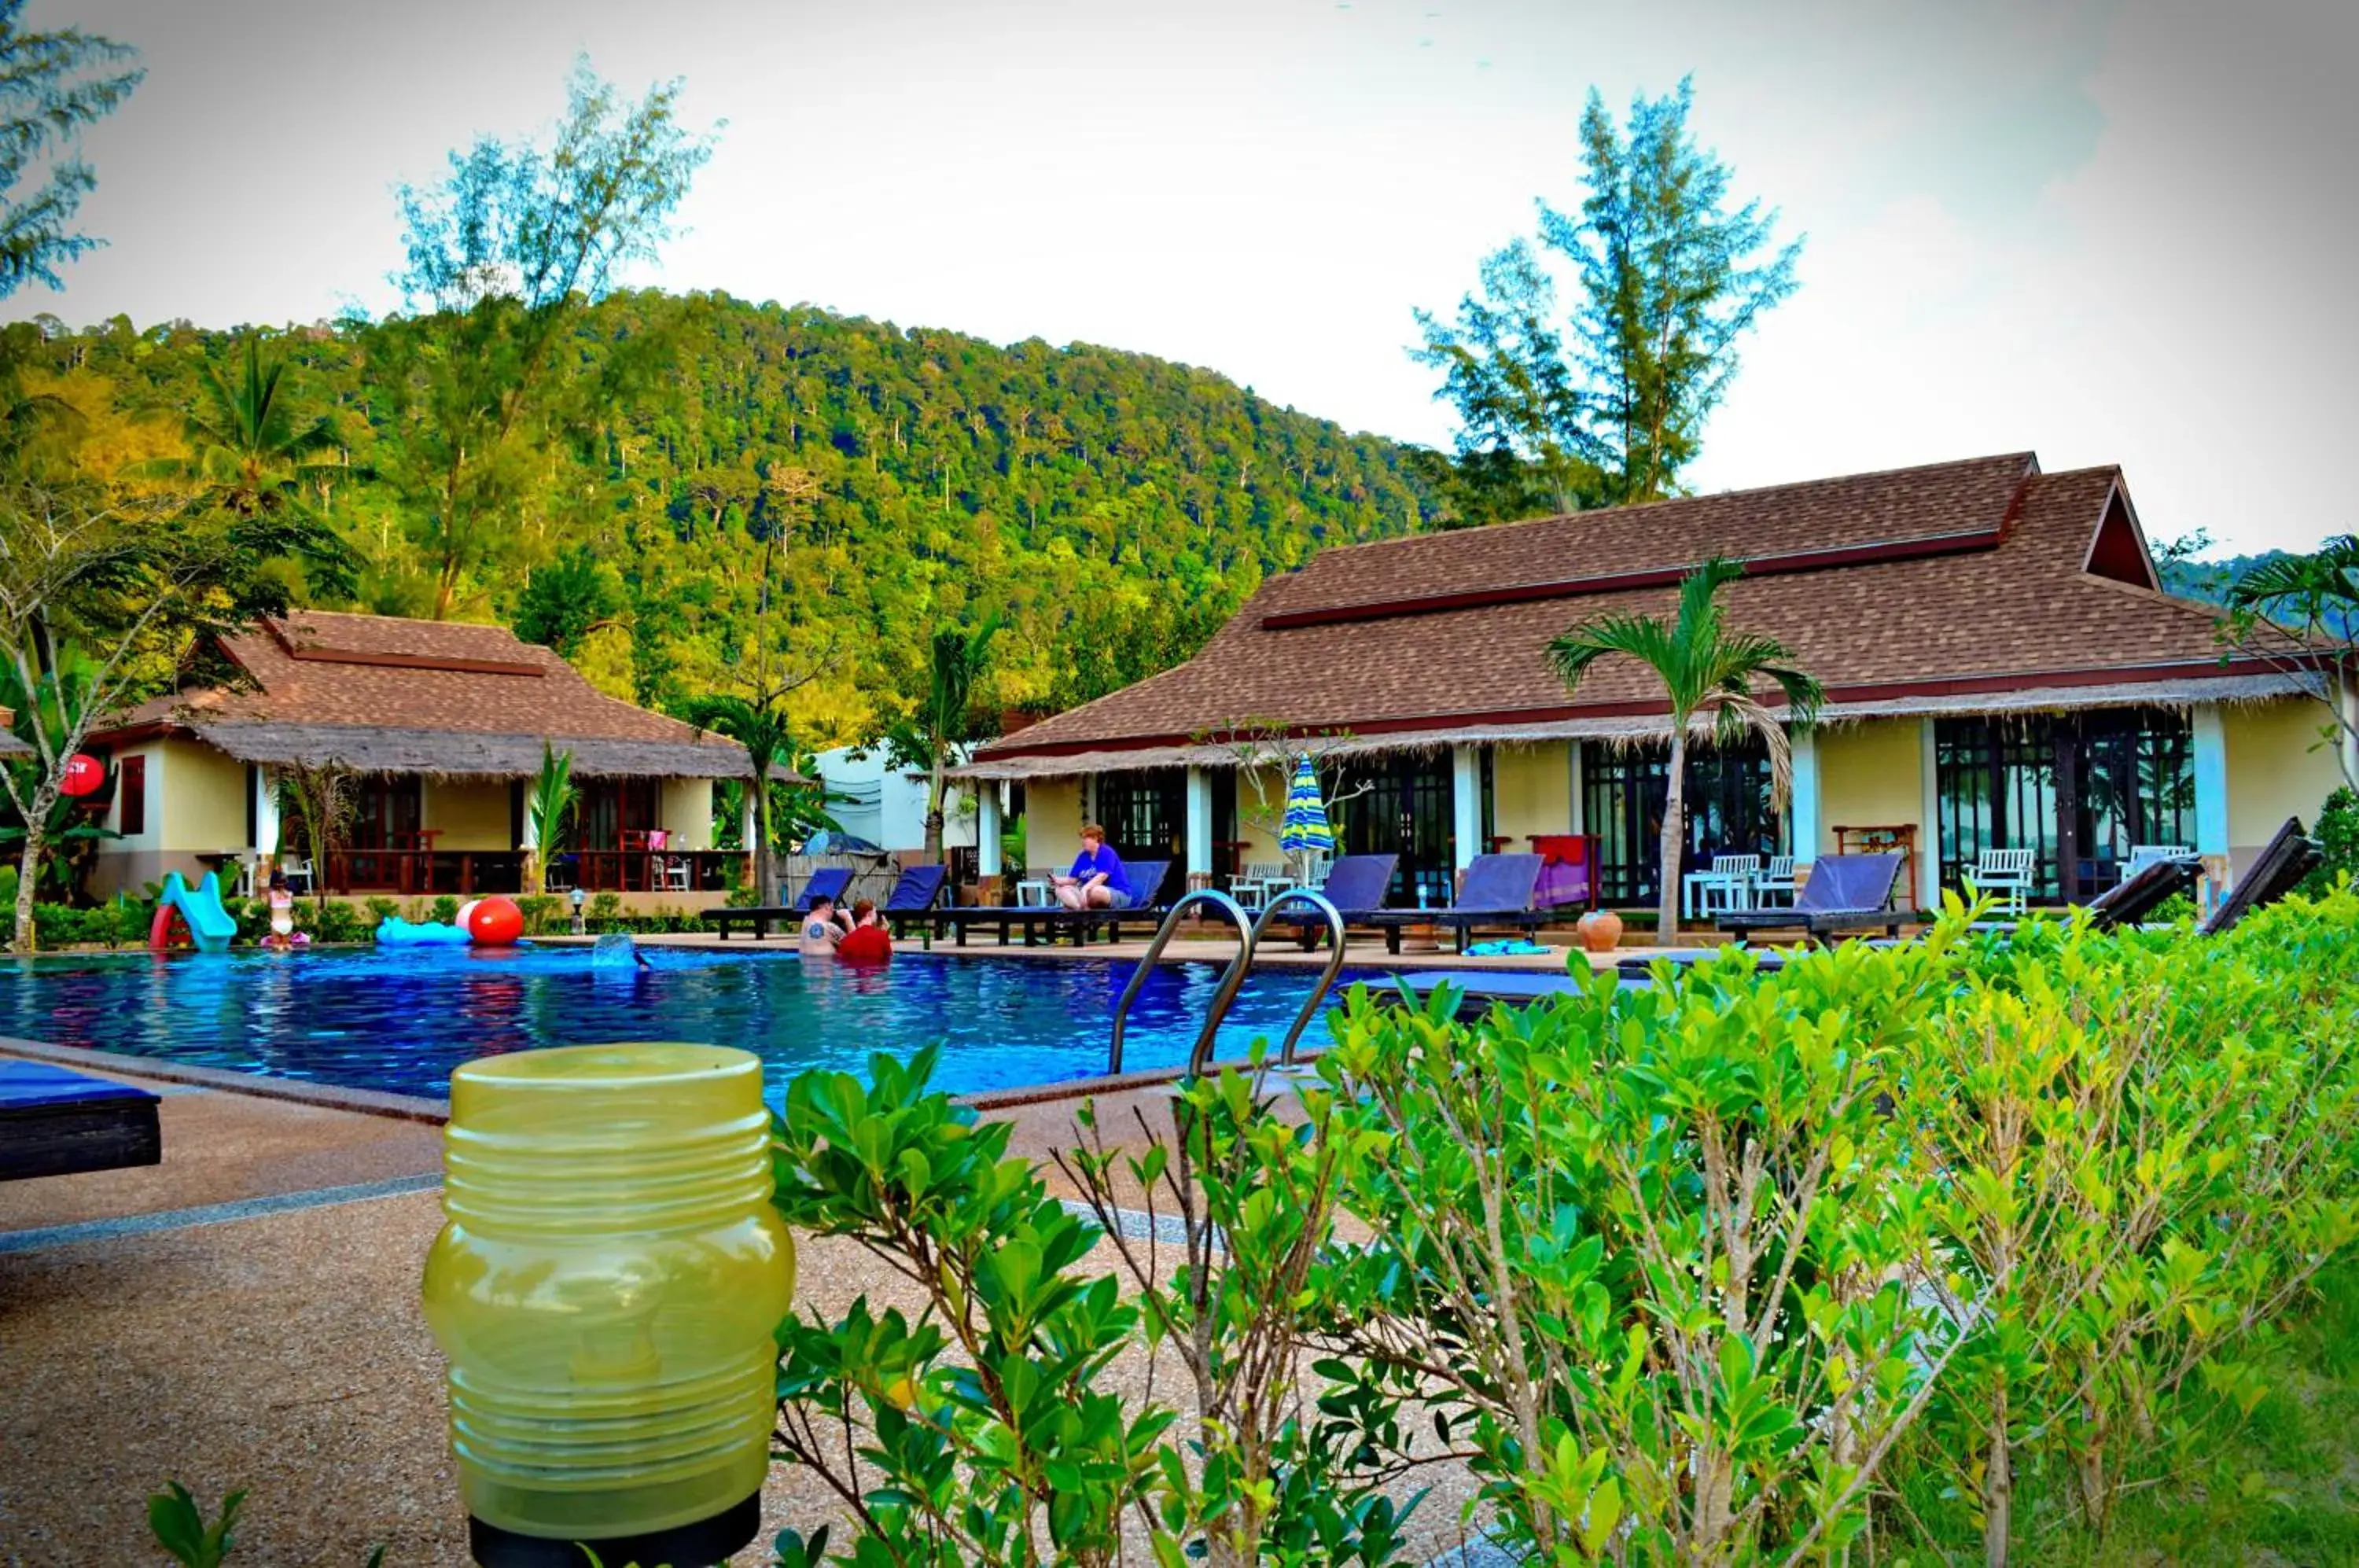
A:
{"x": 1600, "y": 930}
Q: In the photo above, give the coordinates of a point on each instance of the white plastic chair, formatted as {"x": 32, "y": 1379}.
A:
{"x": 299, "y": 877}
{"x": 2145, "y": 854}
{"x": 2005, "y": 874}
{"x": 1723, "y": 883}
{"x": 1253, "y": 886}
{"x": 1773, "y": 888}
{"x": 672, "y": 870}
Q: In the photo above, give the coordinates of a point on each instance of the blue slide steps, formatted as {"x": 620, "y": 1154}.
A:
{"x": 209, "y": 924}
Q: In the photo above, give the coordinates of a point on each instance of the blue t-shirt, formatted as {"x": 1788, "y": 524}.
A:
{"x": 1086, "y": 865}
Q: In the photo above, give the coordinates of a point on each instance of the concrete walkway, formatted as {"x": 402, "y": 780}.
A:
{"x": 246, "y": 1314}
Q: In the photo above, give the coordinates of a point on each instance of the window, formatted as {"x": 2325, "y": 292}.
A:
{"x": 386, "y": 811}
{"x": 132, "y": 792}
{"x": 1144, "y": 813}
{"x": 607, "y": 808}
{"x": 2078, "y": 789}
{"x": 1404, "y": 809}
{"x": 1623, "y": 792}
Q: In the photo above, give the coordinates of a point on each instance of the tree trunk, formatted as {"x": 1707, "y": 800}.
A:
{"x": 934, "y": 813}
{"x": 28, "y": 867}
{"x": 1675, "y": 834}
{"x": 1998, "y": 1488}
{"x": 766, "y": 875}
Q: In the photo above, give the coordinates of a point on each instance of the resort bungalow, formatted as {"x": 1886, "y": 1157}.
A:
{"x": 2002, "y": 671}
{"x": 443, "y": 726}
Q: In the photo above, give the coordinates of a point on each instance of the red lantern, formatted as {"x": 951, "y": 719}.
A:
{"x": 84, "y": 773}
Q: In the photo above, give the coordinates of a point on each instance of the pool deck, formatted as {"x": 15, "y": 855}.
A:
{"x": 246, "y": 1314}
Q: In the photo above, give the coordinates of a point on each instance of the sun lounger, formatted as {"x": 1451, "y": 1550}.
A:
{"x": 1038, "y": 923}
{"x": 1846, "y": 893}
{"x": 913, "y": 898}
{"x": 827, "y": 882}
{"x": 1355, "y": 884}
{"x": 2289, "y": 857}
{"x": 55, "y": 1122}
{"x": 1497, "y": 892}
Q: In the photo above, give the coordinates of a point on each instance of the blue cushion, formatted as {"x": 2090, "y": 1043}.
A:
{"x": 26, "y": 1084}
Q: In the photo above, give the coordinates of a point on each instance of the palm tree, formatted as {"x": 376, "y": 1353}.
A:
{"x": 1709, "y": 673}
{"x": 549, "y": 806}
{"x": 761, "y": 729}
{"x": 945, "y": 719}
{"x": 247, "y": 453}
{"x": 2301, "y": 612}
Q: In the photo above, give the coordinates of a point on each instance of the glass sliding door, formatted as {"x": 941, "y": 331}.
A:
{"x": 1624, "y": 792}
{"x": 1398, "y": 803}
{"x": 2077, "y": 790}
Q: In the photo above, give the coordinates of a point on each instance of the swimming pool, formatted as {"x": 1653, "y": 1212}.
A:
{"x": 401, "y": 1020}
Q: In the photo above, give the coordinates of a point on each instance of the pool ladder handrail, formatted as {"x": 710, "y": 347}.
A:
{"x": 1232, "y": 978}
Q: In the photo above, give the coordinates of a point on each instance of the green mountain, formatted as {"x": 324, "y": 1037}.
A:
{"x": 1111, "y": 508}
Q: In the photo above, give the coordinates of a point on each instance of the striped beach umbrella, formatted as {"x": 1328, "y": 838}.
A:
{"x": 1304, "y": 828}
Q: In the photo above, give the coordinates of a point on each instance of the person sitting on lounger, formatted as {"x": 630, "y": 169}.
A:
{"x": 824, "y": 928}
{"x": 1097, "y": 880}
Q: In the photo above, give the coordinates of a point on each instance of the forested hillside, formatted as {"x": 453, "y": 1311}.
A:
{"x": 1111, "y": 508}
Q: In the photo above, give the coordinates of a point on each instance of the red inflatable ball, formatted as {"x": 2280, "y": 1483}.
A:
{"x": 494, "y": 922}
{"x": 84, "y": 773}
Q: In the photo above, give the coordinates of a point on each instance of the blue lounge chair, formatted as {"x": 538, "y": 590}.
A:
{"x": 1498, "y": 892}
{"x": 1355, "y": 884}
{"x": 55, "y": 1122}
{"x": 827, "y": 882}
{"x": 914, "y": 897}
{"x": 1147, "y": 880}
{"x": 1846, "y": 893}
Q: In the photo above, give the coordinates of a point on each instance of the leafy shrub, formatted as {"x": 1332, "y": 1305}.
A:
{"x": 605, "y": 906}
{"x": 333, "y": 922}
{"x": 1738, "y": 1268}
{"x": 2337, "y": 832}
{"x": 380, "y": 908}
{"x": 446, "y": 909}
{"x": 543, "y": 913}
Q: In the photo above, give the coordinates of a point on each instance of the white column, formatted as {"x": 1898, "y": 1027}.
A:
{"x": 266, "y": 812}
{"x": 2348, "y": 695}
{"x": 1929, "y": 829}
{"x": 745, "y": 828}
{"x": 1466, "y": 802}
{"x": 1802, "y": 808}
{"x": 1199, "y": 828}
{"x": 987, "y": 827}
{"x": 2211, "y": 781}
{"x": 1578, "y": 817}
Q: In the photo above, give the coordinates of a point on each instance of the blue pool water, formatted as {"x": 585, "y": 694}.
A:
{"x": 401, "y": 1020}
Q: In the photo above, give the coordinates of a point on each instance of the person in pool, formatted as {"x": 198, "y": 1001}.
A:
{"x": 1097, "y": 880}
{"x": 868, "y": 942}
{"x": 824, "y": 928}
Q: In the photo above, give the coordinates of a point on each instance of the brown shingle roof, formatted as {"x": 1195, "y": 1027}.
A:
{"x": 1983, "y": 586}
{"x": 382, "y": 692}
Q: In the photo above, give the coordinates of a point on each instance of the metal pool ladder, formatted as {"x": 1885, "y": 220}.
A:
{"x": 1232, "y": 978}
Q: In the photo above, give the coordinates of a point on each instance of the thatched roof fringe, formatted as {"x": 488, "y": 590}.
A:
{"x": 450, "y": 754}
{"x": 1644, "y": 728}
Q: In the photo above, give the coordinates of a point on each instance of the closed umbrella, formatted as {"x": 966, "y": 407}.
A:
{"x": 1304, "y": 829}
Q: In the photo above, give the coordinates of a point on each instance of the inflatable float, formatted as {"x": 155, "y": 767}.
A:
{"x": 486, "y": 922}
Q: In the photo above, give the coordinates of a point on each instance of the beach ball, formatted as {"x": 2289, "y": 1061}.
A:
{"x": 465, "y": 919}
{"x": 494, "y": 922}
{"x": 83, "y": 774}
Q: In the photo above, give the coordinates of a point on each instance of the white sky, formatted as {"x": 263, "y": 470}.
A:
{"x": 2110, "y": 232}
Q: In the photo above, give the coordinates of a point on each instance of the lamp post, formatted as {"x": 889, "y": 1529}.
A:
{"x": 580, "y": 926}
{"x": 606, "y": 1287}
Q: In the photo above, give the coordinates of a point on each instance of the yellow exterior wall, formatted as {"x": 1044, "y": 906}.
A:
{"x": 2273, "y": 771}
{"x": 471, "y": 813}
{"x": 1871, "y": 773}
{"x": 1531, "y": 791}
{"x": 202, "y": 807}
{"x": 1260, "y": 838}
{"x": 686, "y": 812}
{"x": 1052, "y": 823}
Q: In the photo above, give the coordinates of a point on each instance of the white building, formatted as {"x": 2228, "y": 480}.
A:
{"x": 888, "y": 805}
